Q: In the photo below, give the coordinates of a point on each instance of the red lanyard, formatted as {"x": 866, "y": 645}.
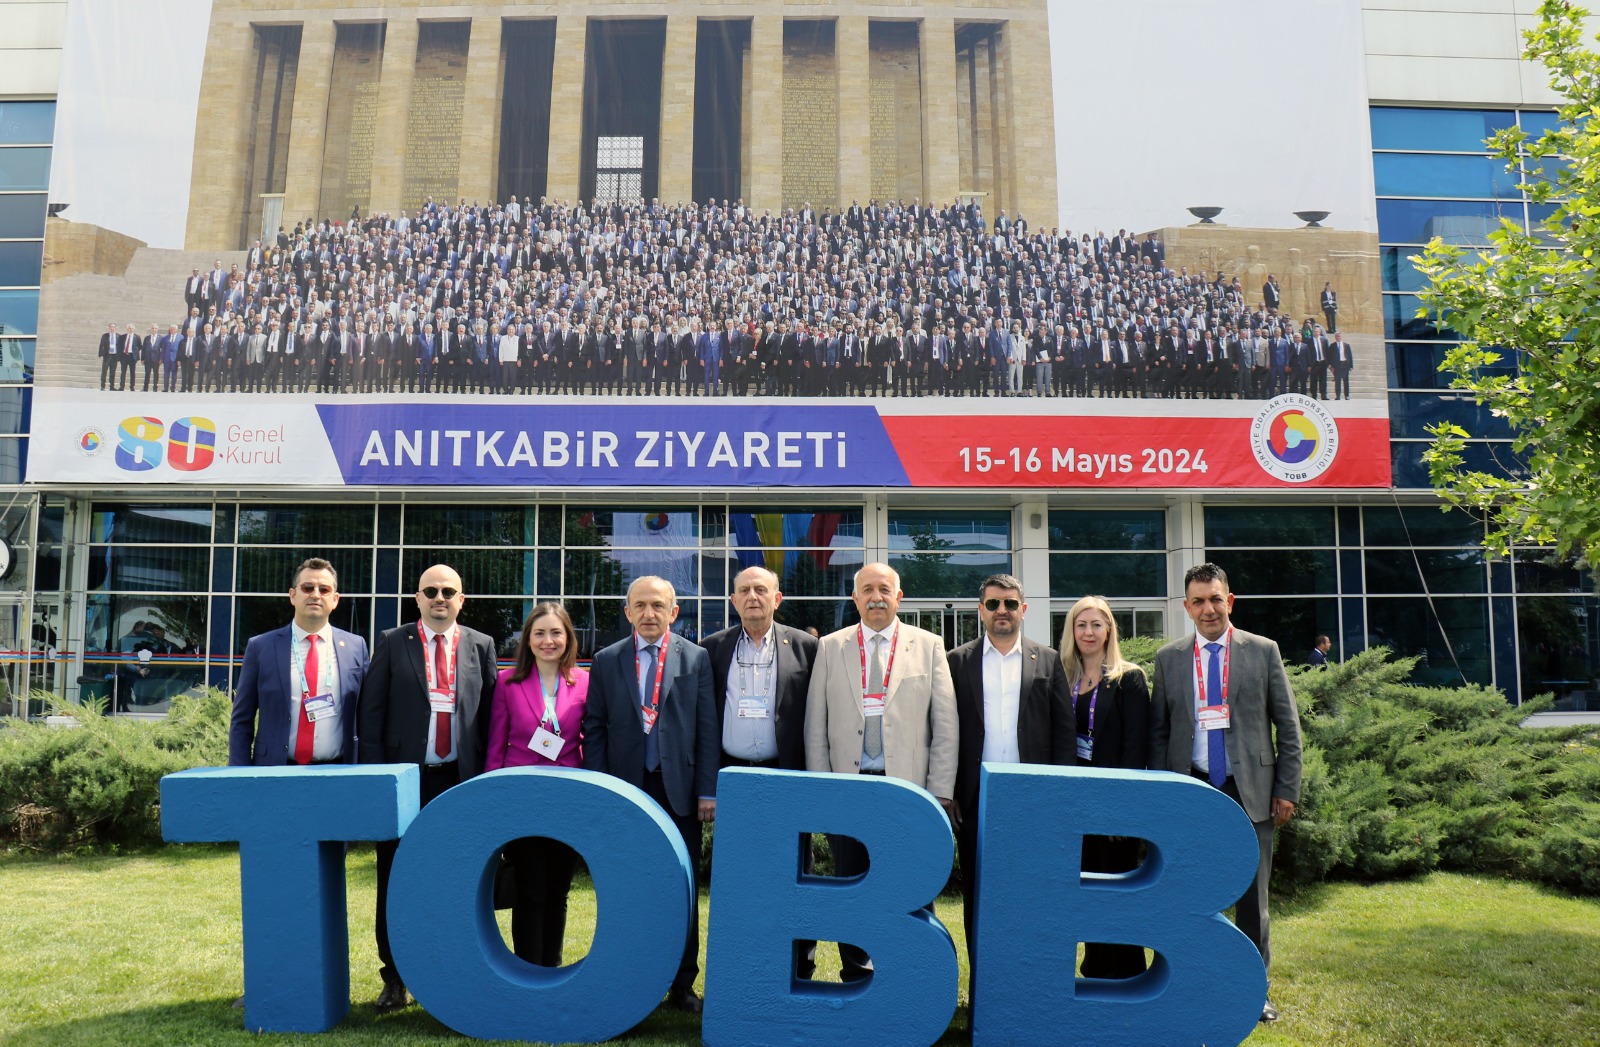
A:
{"x": 448, "y": 684}
{"x": 661, "y": 668}
{"x": 861, "y": 642}
{"x": 1199, "y": 677}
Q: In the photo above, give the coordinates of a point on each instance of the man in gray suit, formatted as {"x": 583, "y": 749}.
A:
{"x": 881, "y": 703}
{"x": 1220, "y": 694}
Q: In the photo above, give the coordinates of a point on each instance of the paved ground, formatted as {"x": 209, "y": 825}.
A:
{"x": 1562, "y": 719}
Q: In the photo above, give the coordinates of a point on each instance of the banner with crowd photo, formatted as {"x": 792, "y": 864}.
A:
{"x": 1291, "y": 441}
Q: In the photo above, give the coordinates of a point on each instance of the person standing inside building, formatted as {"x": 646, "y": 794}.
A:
{"x": 651, "y": 720}
{"x": 427, "y": 700}
{"x": 1011, "y": 707}
{"x": 1111, "y": 713}
{"x": 760, "y": 671}
{"x": 1223, "y": 712}
{"x": 881, "y": 703}
{"x": 537, "y": 721}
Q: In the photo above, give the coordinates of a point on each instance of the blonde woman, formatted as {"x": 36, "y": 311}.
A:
{"x": 1111, "y": 701}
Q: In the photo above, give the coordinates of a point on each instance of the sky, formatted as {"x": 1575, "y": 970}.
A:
{"x": 1255, "y": 106}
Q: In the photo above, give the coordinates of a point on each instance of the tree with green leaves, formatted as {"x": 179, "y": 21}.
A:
{"x": 1532, "y": 299}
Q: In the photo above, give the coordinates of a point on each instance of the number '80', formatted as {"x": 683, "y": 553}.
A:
{"x": 190, "y": 447}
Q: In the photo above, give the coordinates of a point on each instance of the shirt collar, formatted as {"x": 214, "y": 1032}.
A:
{"x": 1226, "y": 640}
{"x": 989, "y": 648}
{"x": 888, "y": 633}
{"x": 297, "y": 634}
{"x": 447, "y": 634}
{"x": 640, "y": 643}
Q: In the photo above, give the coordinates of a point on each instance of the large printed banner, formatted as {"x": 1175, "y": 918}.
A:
{"x": 1291, "y": 441}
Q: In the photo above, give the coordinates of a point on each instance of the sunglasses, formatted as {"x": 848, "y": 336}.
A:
{"x": 433, "y": 592}
{"x": 992, "y": 604}
{"x": 312, "y": 589}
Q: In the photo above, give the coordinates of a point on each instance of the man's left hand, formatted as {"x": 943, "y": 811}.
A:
{"x": 708, "y": 810}
{"x": 1282, "y": 811}
{"x": 951, "y": 811}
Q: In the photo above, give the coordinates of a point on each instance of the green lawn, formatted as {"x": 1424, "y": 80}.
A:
{"x": 145, "y": 950}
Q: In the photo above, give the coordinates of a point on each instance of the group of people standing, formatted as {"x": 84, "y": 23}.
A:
{"x": 879, "y": 698}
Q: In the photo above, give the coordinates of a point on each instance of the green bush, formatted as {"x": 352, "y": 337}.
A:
{"x": 97, "y": 783}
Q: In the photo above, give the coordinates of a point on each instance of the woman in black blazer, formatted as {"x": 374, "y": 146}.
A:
{"x": 1112, "y": 702}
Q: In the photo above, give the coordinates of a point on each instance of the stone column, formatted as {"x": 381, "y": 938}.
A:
{"x": 394, "y": 112}
{"x": 566, "y": 108}
{"x": 1001, "y": 156}
{"x": 765, "y": 176}
{"x": 480, "y": 117}
{"x": 1025, "y": 60}
{"x": 853, "y": 63}
{"x": 676, "y": 171}
{"x": 941, "y": 163}
{"x": 302, "y": 194}
{"x": 219, "y": 195}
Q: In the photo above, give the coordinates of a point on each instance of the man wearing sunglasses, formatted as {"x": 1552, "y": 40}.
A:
{"x": 295, "y": 702}
{"x": 1013, "y": 705}
{"x": 425, "y": 701}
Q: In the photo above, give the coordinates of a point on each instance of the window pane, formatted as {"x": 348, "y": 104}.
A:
{"x": 1493, "y": 457}
{"x": 27, "y": 169}
{"x": 671, "y": 526}
{"x": 949, "y": 530}
{"x": 1423, "y": 174}
{"x": 1536, "y": 123}
{"x": 173, "y": 629}
{"x": 13, "y": 460}
{"x": 1414, "y": 626}
{"x": 1414, "y": 366}
{"x": 1112, "y": 575}
{"x": 487, "y": 572}
{"x": 254, "y": 615}
{"x": 947, "y": 576}
{"x": 1400, "y": 320}
{"x": 1539, "y": 572}
{"x": 285, "y": 525}
{"x": 1294, "y": 622}
{"x": 1446, "y": 130}
{"x": 1420, "y": 525}
{"x": 1560, "y": 648}
{"x": 19, "y": 264}
{"x": 19, "y": 312}
{"x": 610, "y": 572}
{"x": 1278, "y": 572}
{"x": 1456, "y": 222}
{"x": 149, "y": 568}
{"x": 1399, "y": 272}
{"x": 1115, "y": 530}
{"x": 125, "y": 524}
{"x": 597, "y": 623}
{"x": 1443, "y": 571}
{"x": 21, "y": 216}
{"x": 1238, "y": 525}
{"x": 1410, "y": 415}
{"x": 27, "y": 123}
{"x": 823, "y": 615}
{"x": 788, "y": 528}
{"x": 264, "y": 569}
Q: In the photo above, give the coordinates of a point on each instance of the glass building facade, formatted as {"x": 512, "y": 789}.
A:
{"x": 26, "y": 131}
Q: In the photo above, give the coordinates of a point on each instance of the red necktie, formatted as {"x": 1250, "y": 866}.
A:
{"x": 441, "y": 720}
{"x": 307, "y": 736}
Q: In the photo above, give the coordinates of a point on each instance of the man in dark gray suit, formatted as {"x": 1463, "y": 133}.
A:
{"x": 651, "y": 720}
{"x": 1220, "y": 695}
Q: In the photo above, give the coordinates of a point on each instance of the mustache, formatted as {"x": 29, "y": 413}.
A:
{"x": 877, "y": 605}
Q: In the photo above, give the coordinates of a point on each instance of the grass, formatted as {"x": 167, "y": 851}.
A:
{"x": 145, "y": 950}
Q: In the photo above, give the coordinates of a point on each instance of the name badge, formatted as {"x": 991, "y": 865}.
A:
{"x": 442, "y": 703}
{"x": 648, "y": 715}
{"x": 872, "y": 704}
{"x": 546, "y": 744}
{"x": 1212, "y": 717}
{"x": 318, "y": 706}
{"x": 753, "y": 708}
{"x": 1085, "y": 748}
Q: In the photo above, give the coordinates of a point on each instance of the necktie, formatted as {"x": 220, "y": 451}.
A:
{"x": 1217, "y": 747}
{"x": 306, "y": 737}
{"x": 647, "y": 678}
{"x": 873, "y": 744}
{"x": 441, "y": 720}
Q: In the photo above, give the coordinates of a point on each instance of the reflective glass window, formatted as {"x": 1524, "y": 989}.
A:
{"x": 1409, "y": 470}
{"x": 1425, "y": 571}
{"x": 1401, "y": 320}
{"x": 1463, "y": 222}
{"x": 1444, "y": 130}
{"x": 947, "y": 576}
{"x": 1413, "y": 626}
{"x": 19, "y": 263}
{"x": 1560, "y": 648}
{"x": 149, "y": 568}
{"x": 27, "y": 170}
{"x": 1112, "y": 575}
{"x": 1279, "y": 572}
{"x": 254, "y": 615}
{"x": 659, "y": 527}
{"x": 271, "y": 569}
{"x": 1535, "y": 123}
{"x": 13, "y": 459}
{"x": 1420, "y": 525}
{"x": 19, "y": 312}
{"x": 777, "y": 528}
{"x": 1416, "y": 366}
{"x": 1108, "y": 530}
{"x": 1410, "y": 415}
{"x": 177, "y": 524}
{"x": 474, "y": 525}
{"x": 293, "y": 525}
{"x": 1294, "y": 621}
{"x": 487, "y": 572}
{"x": 1433, "y": 174}
{"x": 1234, "y": 526}
{"x": 27, "y": 123}
{"x": 21, "y": 216}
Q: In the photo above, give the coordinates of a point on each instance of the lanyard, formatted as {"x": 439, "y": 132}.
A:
{"x": 762, "y": 669}
{"x": 550, "y": 722}
{"x": 661, "y": 669}
{"x": 1199, "y": 677}
{"x": 1094, "y": 697}
{"x": 308, "y": 688}
{"x": 448, "y": 684}
{"x": 861, "y": 642}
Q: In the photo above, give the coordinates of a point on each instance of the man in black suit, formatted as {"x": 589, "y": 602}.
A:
{"x": 1013, "y": 706}
{"x": 108, "y": 358}
{"x": 425, "y": 700}
{"x": 651, "y": 720}
{"x": 1330, "y": 307}
{"x": 761, "y": 671}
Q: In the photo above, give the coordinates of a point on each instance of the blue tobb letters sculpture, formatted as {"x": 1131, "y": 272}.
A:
{"x": 1206, "y": 986}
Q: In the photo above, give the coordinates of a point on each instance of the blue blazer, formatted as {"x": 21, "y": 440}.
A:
{"x": 259, "y": 731}
{"x": 690, "y": 742}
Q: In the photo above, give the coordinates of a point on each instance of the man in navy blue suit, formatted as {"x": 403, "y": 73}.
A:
{"x": 296, "y": 698}
{"x": 651, "y": 720}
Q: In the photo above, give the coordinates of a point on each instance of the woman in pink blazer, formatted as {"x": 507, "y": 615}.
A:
{"x": 537, "y": 721}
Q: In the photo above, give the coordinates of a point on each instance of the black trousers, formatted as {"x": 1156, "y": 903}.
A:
{"x": 435, "y": 780}
{"x": 542, "y": 869}
{"x": 689, "y": 829}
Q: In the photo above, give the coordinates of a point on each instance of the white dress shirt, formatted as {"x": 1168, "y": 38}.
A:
{"x": 1002, "y": 695}
{"x": 329, "y": 741}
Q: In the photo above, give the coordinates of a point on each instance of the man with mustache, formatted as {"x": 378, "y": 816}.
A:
{"x": 880, "y": 703}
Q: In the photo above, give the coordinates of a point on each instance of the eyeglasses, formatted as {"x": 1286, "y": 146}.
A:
{"x": 433, "y": 592}
{"x": 312, "y": 589}
{"x": 991, "y": 604}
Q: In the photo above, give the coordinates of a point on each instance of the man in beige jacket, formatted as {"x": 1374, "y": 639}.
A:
{"x": 880, "y": 702}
